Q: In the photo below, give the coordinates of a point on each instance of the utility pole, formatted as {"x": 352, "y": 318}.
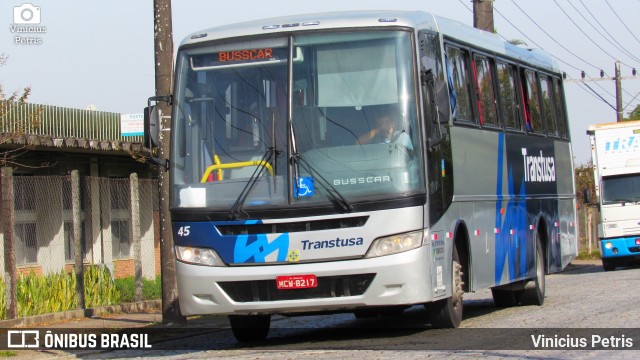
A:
{"x": 619, "y": 109}
{"x": 163, "y": 47}
{"x": 483, "y": 15}
{"x": 617, "y": 78}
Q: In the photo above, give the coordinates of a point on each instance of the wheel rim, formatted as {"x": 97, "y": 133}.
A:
{"x": 539, "y": 271}
{"x": 457, "y": 292}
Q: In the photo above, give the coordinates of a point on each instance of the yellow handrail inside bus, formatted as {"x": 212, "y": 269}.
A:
{"x": 215, "y": 167}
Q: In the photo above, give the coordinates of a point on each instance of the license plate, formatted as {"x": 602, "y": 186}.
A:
{"x": 296, "y": 282}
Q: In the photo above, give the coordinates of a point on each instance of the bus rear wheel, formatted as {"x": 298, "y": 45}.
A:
{"x": 247, "y": 328}
{"x": 504, "y": 298}
{"x": 534, "y": 291}
{"x": 447, "y": 313}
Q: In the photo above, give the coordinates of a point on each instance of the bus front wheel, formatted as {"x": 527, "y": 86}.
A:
{"x": 608, "y": 265}
{"x": 247, "y": 328}
{"x": 447, "y": 313}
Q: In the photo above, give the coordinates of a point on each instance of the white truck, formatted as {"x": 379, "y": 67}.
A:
{"x": 615, "y": 150}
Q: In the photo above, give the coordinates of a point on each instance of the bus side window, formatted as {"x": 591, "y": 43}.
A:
{"x": 458, "y": 68}
{"x": 547, "y": 105}
{"x": 531, "y": 100}
{"x": 559, "y": 108}
{"x": 483, "y": 75}
{"x": 507, "y": 96}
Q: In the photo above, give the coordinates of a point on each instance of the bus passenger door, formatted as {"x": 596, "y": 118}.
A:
{"x": 436, "y": 118}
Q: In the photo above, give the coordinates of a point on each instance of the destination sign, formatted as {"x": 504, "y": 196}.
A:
{"x": 233, "y": 57}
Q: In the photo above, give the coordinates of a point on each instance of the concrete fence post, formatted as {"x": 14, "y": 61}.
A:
{"x": 78, "y": 256}
{"x": 10, "y": 268}
{"x": 135, "y": 229}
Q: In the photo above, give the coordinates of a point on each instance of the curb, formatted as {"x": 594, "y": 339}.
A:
{"x": 126, "y": 308}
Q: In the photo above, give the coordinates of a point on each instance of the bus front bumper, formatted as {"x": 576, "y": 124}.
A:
{"x": 399, "y": 279}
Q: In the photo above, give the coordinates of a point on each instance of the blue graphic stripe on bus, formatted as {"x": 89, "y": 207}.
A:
{"x": 256, "y": 248}
{"x": 233, "y": 248}
{"x": 510, "y": 240}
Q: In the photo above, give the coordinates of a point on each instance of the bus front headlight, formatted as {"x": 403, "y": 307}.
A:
{"x": 198, "y": 256}
{"x": 395, "y": 244}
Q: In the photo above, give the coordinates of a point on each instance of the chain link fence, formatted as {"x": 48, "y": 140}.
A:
{"x": 117, "y": 220}
{"x": 588, "y": 217}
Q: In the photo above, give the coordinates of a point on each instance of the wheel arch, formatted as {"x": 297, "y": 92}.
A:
{"x": 462, "y": 244}
{"x": 543, "y": 237}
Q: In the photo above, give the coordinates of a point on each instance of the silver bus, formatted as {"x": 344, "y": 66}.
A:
{"x": 365, "y": 162}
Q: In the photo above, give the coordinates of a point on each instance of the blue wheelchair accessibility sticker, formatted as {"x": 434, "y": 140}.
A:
{"x": 304, "y": 186}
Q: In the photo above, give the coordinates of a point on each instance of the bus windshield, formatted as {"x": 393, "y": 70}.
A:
{"x": 341, "y": 124}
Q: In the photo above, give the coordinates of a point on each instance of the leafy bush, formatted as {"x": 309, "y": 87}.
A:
{"x": 99, "y": 287}
{"x": 126, "y": 288}
{"x": 57, "y": 292}
{"x": 3, "y": 301}
{"x": 151, "y": 289}
{"x": 45, "y": 294}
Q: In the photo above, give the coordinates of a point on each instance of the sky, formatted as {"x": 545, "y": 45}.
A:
{"x": 99, "y": 53}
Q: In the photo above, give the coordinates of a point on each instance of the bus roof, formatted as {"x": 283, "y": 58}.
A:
{"x": 378, "y": 18}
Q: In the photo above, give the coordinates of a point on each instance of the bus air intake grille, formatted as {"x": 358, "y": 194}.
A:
{"x": 279, "y": 228}
{"x": 328, "y": 287}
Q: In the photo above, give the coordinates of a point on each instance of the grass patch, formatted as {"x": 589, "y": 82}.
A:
{"x": 7, "y": 353}
{"x": 151, "y": 289}
{"x": 126, "y": 287}
{"x": 594, "y": 255}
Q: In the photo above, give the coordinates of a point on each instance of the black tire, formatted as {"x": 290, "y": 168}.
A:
{"x": 534, "y": 291}
{"x": 504, "y": 298}
{"x": 608, "y": 265}
{"x": 447, "y": 313}
{"x": 248, "y": 328}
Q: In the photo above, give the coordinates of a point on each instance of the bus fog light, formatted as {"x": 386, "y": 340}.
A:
{"x": 608, "y": 245}
{"x": 395, "y": 244}
{"x": 198, "y": 256}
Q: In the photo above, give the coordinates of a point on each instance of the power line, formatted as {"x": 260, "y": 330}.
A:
{"x": 552, "y": 38}
{"x": 465, "y": 5}
{"x": 618, "y": 46}
{"x": 582, "y": 86}
{"x": 585, "y": 87}
{"x": 598, "y": 95}
{"x": 629, "y": 103}
{"x": 531, "y": 40}
{"x": 585, "y": 34}
{"x": 621, "y": 21}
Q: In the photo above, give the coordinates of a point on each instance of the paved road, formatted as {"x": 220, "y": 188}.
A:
{"x": 581, "y": 297}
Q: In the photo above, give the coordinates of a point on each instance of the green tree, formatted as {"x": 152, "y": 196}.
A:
{"x": 15, "y": 99}
{"x": 10, "y": 124}
{"x": 585, "y": 182}
{"x": 635, "y": 114}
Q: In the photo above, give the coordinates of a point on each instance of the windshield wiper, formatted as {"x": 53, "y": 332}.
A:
{"x": 326, "y": 185}
{"x": 236, "y": 208}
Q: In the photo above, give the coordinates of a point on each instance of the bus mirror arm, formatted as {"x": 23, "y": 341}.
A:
{"x": 152, "y": 127}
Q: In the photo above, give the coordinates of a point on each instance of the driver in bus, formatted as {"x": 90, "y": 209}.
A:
{"x": 386, "y": 131}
